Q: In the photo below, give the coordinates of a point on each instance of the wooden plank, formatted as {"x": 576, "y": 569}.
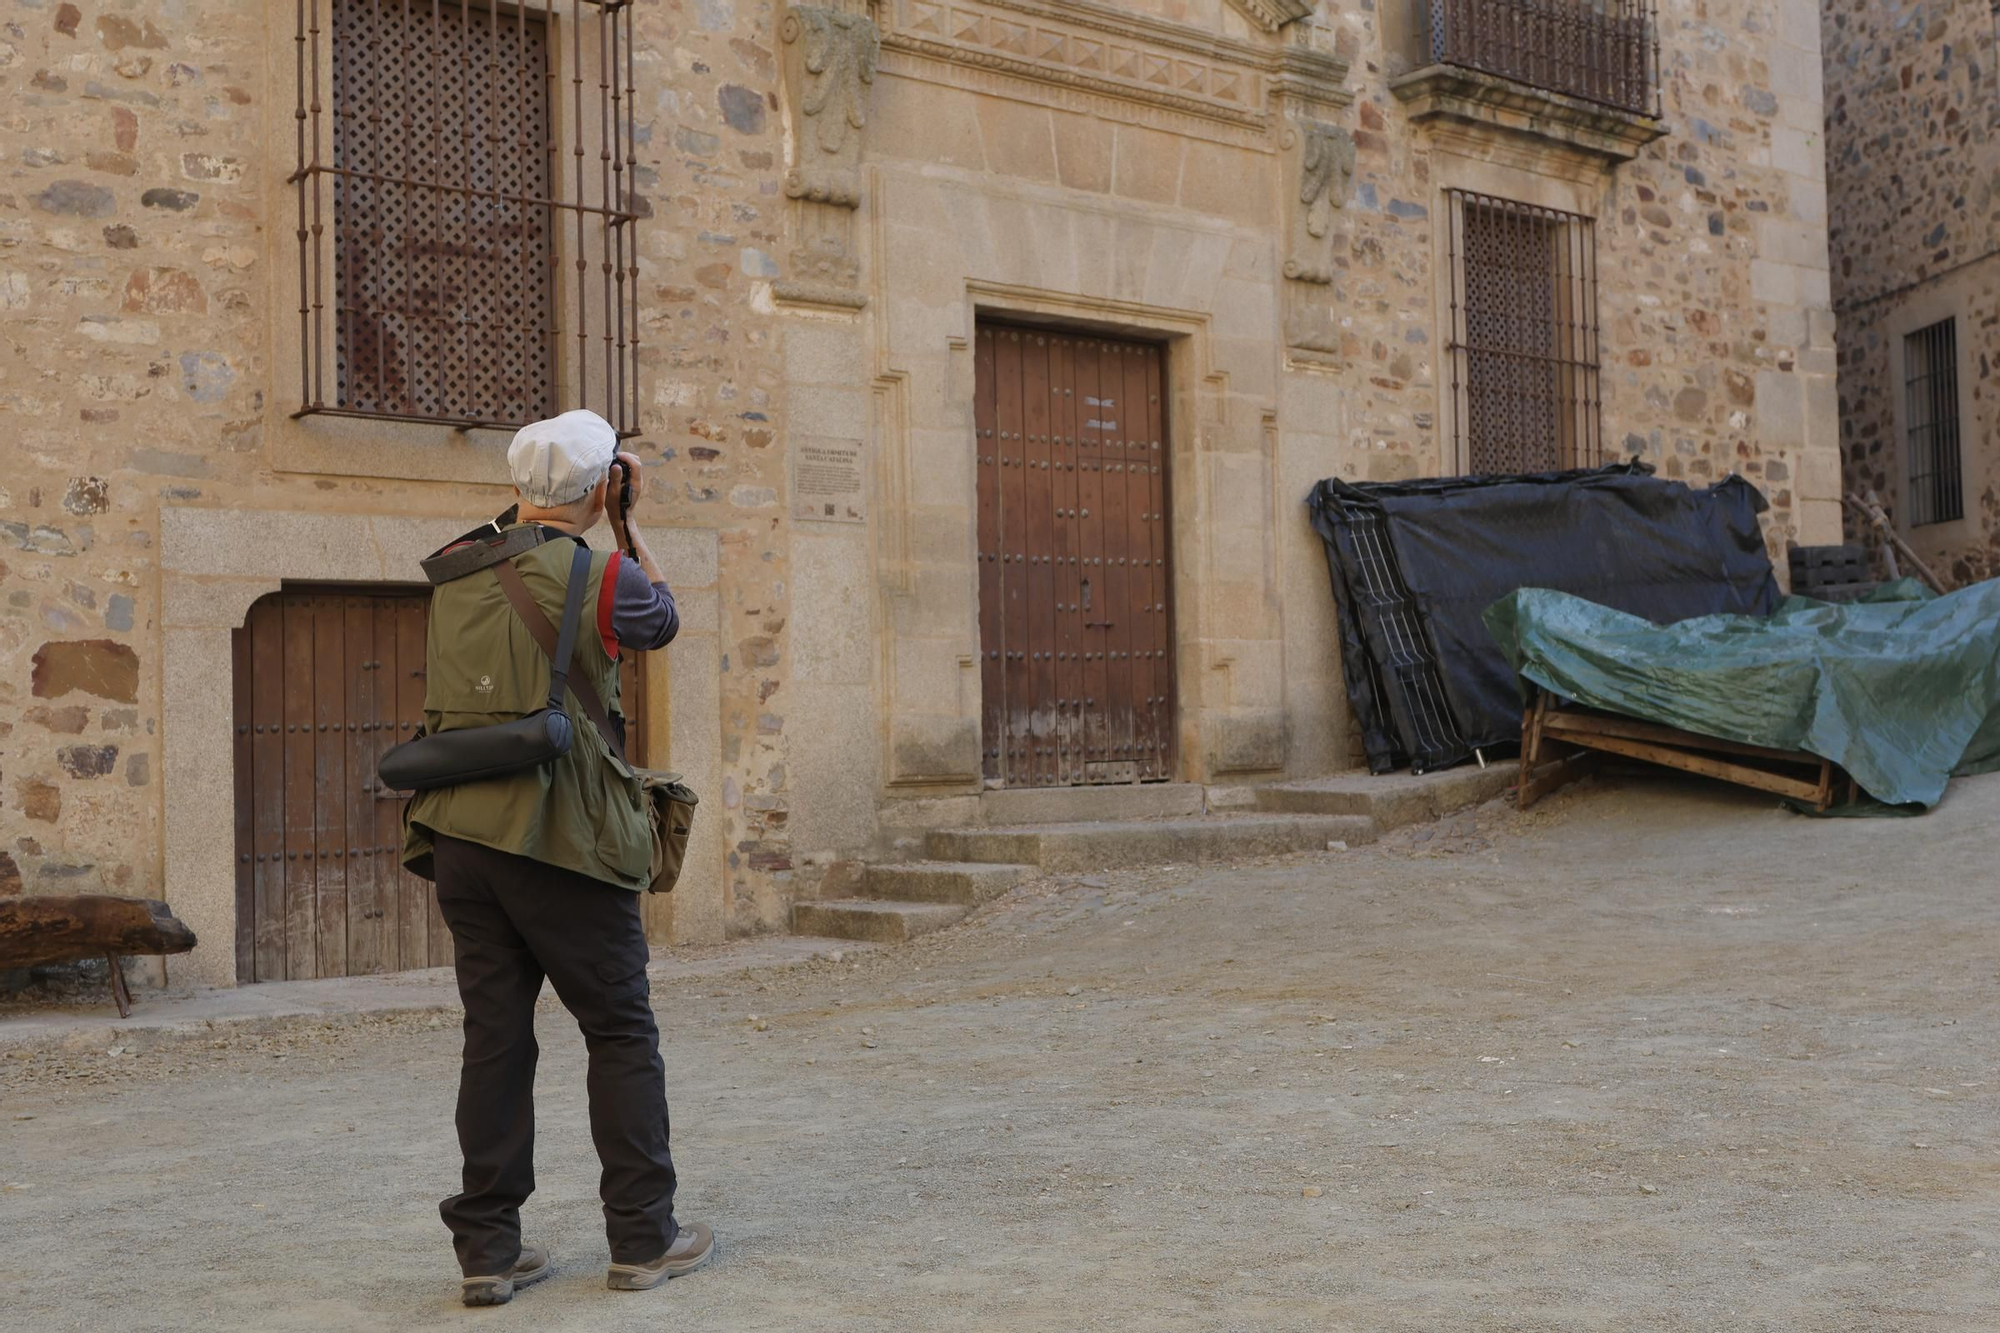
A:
{"x": 329, "y": 747}
{"x": 367, "y": 917}
{"x": 266, "y": 625}
{"x": 1166, "y": 706}
{"x": 992, "y": 638}
{"x": 403, "y": 942}
{"x": 631, "y": 702}
{"x": 1018, "y": 725}
{"x": 1524, "y": 794}
{"x": 1563, "y": 721}
{"x": 1095, "y": 732}
{"x": 1704, "y": 765}
{"x": 1151, "y": 630}
{"x": 242, "y": 757}
{"x": 1040, "y": 544}
{"x": 1068, "y": 612}
{"x": 1114, "y": 410}
{"x": 301, "y": 825}
{"x": 1557, "y": 772}
{"x": 1138, "y": 568}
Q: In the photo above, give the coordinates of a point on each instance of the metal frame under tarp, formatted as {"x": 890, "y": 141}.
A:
{"x": 1415, "y": 564}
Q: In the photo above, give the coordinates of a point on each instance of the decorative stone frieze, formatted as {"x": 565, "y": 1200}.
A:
{"x": 1112, "y": 52}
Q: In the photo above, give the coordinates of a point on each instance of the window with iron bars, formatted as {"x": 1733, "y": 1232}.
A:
{"x": 1523, "y": 348}
{"x": 1930, "y": 421}
{"x": 1604, "y": 51}
{"x": 466, "y": 244}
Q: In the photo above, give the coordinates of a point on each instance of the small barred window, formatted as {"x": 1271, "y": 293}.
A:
{"x": 1523, "y": 352}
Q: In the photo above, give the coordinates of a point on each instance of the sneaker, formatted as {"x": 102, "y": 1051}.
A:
{"x": 530, "y": 1268}
{"x": 694, "y": 1245}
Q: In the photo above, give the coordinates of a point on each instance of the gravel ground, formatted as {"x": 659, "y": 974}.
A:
{"x": 1652, "y": 1056}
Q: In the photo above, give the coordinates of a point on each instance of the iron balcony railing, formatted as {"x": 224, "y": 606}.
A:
{"x": 1604, "y": 51}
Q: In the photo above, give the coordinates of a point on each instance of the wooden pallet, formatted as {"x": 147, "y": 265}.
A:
{"x": 1560, "y": 744}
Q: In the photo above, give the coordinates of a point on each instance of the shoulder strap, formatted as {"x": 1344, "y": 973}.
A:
{"x": 484, "y": 546}
{"x": 559, "y": 649}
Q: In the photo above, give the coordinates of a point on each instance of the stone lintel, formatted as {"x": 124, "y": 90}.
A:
{"x": 1452, "y": 94}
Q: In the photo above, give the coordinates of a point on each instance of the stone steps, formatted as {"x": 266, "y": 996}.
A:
{"x": 1078, "y": 805}
{"x": 872, "y": 919}
{"x": 965, "y": 883}
{"x": 1025, "y": 833}
{"x": 1112, "y": 844}
{"x": 1390, "y": 800}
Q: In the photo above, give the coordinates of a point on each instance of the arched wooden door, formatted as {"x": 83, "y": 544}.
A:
{"x": 326, "y": 680}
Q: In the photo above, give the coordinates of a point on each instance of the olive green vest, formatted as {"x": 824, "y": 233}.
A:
{"x": 584, "y": 812}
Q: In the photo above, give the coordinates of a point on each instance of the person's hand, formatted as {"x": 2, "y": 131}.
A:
{"x": 624, "y": 468}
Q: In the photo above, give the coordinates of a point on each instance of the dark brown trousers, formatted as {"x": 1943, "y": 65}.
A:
{"x": 513, "y": 922}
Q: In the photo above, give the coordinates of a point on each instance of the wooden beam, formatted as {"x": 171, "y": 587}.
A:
{"x": 1571, "y": 725}
{"x": 1705, "y": 766}
{"x": 56, "y": 929}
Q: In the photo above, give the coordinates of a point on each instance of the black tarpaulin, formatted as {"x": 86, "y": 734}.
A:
{"x": 1415, "y": 564}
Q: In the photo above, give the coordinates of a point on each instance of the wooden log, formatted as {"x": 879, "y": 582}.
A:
{"x": 36, "y": 930}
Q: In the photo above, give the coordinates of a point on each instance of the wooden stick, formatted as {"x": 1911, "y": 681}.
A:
{"x": 118, "y": 991}
{"x": 1871, "y": 509}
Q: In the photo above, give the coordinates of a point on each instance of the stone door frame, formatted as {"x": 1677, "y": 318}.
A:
{"x": 1195, "y": 393}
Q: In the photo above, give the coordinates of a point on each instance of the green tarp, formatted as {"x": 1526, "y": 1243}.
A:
{"x": 1902, "y": 690}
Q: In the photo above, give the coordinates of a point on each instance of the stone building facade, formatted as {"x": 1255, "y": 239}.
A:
{"x": 1289, "y": 211}
{"x": 1913, "y": 172}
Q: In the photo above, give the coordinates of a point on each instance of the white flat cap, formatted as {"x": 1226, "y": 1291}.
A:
{"x": 556, "y": 461}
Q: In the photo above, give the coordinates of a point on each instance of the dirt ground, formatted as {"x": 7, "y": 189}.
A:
{"x": 1653, "y": 1056}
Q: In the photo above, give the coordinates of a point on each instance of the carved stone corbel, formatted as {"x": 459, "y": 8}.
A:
{"x": 830, "y": 57}
{"x": 1320, "y": 165}
{"x": 1318, "y": 175}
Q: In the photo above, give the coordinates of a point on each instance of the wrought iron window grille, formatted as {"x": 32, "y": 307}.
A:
{"x": 1604, "y": 51}
{"x": 1930, "y": 418}
{"x": 465, "y": 180}
{"x": 1523, "y": 349}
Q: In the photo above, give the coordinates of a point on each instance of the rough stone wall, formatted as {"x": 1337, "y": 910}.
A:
{"x": 144, "y": 223}
{"x": 146, "y": 230}
{"x": 1913, "y": 167}
{"x": 1717, "y": 340}
{"x": 131, "y": 276}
